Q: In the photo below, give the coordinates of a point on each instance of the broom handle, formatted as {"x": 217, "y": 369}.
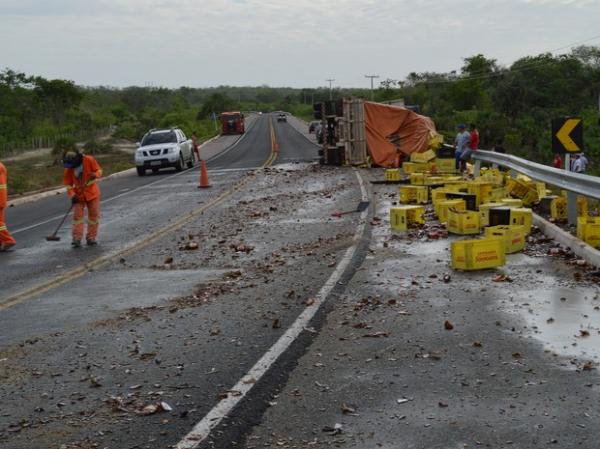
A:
{"x": 63, "y": 219}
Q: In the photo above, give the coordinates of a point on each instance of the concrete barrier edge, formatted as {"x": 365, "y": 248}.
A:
{"x": 580, "y": 248}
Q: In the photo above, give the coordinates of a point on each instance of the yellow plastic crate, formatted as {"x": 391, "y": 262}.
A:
{"x": 417, "y": 179}
{"x": 582, "y": 206}
{"x": 392, "y": 174}
{"x": 493, "y": 176}
{"x": 481, "y": 190}
{"x": 438, "y": 195}
{"x": 484, "y": 212}
{"x": 463, "y": 222}
{"x": 445, "y": 165}
{"x": 558, "y": 208}
{"x": 498, "y": 193}
{"x": 521, "y": 216}
{"x": 513, "y": 237}
{"x": 414, "y": 194}
{"x": 512, "y": 202}
{"x": 588, "y": 230}
{"x": 433, "y": 180}
{"x": 408, "y": 167}
{"x": 403, "y": 217}
{"x": 444, "y": 206}
{"x": 422, "y": 158}
{"x": 478, "y": 254}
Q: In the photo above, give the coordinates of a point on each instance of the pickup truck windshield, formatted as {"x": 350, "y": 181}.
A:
{"x": 156, "y": 138}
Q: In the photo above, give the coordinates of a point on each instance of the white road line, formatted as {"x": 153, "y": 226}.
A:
{"x": 202, "y": 429}
{"x": 108, "y": 200}
{"x": 58, "y": 217}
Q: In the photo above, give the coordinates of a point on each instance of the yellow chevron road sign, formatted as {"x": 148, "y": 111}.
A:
{"x": 567, "y": 135}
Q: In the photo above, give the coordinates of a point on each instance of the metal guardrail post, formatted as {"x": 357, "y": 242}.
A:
{"x": 477, "y": 169}
{"x": 574, "y": 183}
{"x": 571, "y": 197}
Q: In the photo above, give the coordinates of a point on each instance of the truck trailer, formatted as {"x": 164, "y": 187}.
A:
{"x": 232, "y": 123}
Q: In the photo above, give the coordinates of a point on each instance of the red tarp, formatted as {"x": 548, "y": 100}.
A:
{"x": 392, "y": 131}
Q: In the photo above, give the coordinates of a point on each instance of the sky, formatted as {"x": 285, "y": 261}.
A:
{"x": 297, "y": 43}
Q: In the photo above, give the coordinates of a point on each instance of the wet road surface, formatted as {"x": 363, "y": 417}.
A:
{"x": 134, "y": 353}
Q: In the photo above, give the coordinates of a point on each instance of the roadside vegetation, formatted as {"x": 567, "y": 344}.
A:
{"x": 512, "y": 104}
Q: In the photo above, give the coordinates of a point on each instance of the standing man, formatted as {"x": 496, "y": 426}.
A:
{"x": 195, "y": 145}
{"x": 461, "y": 143}
{"x": 584, "y": 162}
{"x": 81, "y": 173}
{"x": 472, "y": 146}
{"x": 6, "y": 240}
{"x": 557, "y": 162}
{"x": 577, "y": 164}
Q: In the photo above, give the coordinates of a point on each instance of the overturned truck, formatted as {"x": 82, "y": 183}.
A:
{"x": 358, "y": 132}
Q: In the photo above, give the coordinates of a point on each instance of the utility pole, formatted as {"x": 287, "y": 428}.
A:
{"x": 330, "y": 91}
{"x": 372, "y": 78}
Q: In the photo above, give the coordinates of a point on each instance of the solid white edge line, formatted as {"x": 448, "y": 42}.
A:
{"x": 202, "y": 429}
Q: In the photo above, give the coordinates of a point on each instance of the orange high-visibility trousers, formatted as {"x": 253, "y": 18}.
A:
{"x": 93, "y": 219}
{"x": 5, "y": 237}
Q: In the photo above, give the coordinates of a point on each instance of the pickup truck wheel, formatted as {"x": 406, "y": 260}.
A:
{"x": 190, "y": 162}
{"x": 179, "y": 165}
{"x": 141, "y": 171}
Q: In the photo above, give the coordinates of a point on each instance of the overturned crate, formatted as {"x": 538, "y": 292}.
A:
{"x": 484, "y": 212}
{"x": 443, "y": 207}
{"x": 414, "y": 194}
{"x": 513, "y": 237}
{"x": 588, "y": 230}
{"x": 511, "y": 216}
{"x": 463, "y": 222}
{"x": 393, "y": 174}
{"x": 479, "y": 254}
{"x": 404, "y": 217}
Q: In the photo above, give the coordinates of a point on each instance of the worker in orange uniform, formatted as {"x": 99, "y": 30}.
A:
{"x": 81, "y": 173}
{"x": 6, "y": 240}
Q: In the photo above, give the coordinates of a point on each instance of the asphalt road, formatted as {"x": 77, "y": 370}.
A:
{"x": 248, "y": 310}
{"x": 161, "y": 322}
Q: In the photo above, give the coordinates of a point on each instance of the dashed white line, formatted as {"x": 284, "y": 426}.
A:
{"x": 202, "y": 429}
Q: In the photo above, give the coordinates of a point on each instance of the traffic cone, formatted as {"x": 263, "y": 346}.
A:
{"x": 203, "y": 176}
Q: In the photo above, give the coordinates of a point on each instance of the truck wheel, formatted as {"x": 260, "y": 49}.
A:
{"x": 190, "y": 162}
{"x": 141, "y": 171}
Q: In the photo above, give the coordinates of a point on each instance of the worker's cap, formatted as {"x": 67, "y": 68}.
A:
{"x": 72, "y": 159}
{"x": 461, "y": 126}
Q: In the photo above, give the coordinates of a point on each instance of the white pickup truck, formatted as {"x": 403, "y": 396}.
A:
{"x": 162, "y": 148}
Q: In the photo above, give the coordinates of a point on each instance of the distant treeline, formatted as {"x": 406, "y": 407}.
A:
{"x": 514, "y": 105}
{"x": 510, "y": 104}
{"x": 37, "y": 112}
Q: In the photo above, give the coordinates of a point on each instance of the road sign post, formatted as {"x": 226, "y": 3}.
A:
{"x": 567, "y": 139}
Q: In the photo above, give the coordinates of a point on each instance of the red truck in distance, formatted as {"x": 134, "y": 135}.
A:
{"x": 232, "y": 123}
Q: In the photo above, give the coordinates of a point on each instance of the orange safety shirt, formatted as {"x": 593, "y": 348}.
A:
{"x": 84, "y": 187}
{"x": 3, "y": 186}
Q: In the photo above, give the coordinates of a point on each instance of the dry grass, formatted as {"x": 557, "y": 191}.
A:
{"x": 39, "y": 172}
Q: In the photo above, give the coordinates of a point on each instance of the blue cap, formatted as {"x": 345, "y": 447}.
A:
{"x": 461, "y": 126}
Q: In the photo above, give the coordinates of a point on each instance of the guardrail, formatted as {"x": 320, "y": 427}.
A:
{"x": 574, "y": 183}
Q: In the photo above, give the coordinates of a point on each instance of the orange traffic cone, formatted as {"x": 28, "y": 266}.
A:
{"x": 203, "y": 176}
